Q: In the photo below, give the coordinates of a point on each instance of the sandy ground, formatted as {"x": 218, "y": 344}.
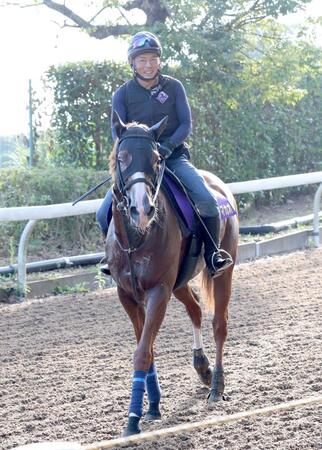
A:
{"x": 66, "y": 364}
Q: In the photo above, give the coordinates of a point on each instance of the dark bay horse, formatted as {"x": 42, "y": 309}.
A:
{"x": 144, "y": 250}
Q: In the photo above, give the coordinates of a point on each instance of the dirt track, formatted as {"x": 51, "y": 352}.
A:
{"x": 66, "y": 364}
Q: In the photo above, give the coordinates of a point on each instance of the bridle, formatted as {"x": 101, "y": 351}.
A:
{"x": 122, "y": 186}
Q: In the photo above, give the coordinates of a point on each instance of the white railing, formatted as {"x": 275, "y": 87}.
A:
{"x": 34, "y": 213}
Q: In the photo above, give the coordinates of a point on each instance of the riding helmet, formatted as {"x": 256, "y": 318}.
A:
{"x": 143, "y": 42}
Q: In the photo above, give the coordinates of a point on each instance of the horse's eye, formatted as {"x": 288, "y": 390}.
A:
{"x": 124, "y": 159}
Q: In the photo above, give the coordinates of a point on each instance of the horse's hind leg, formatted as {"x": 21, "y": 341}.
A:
{"x": 220, "y": 320}
{"x": 190, "y": 299}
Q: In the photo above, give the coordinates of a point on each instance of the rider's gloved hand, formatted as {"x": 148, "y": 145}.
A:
{"x": 165, "y": 149}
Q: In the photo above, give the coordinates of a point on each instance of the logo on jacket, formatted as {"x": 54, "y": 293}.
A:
{"x": 162, "y": 97}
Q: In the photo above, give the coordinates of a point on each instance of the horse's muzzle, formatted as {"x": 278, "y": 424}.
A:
{"x": 142, "y": 217}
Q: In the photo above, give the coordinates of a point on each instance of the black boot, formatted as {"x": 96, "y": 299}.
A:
{"x": 215, "y": 262}
{"x": 105, "y": 270}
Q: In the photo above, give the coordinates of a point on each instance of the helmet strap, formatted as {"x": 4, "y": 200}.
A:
{"x": 137, "y": 75}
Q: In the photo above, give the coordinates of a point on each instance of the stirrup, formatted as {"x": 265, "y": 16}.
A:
{"x": 216, "y": 271}
{"x": 221, "y": 270}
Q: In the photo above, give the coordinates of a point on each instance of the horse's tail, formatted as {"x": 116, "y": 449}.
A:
{"x": 208, "y": 290}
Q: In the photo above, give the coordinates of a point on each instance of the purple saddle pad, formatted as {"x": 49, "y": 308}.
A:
{"x": 182, "y": 201}
{"x": 226, "y": 210}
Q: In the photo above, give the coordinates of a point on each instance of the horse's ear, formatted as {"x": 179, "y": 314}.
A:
{"x": 118, "y": 125}
{"x": 159, "y": 128}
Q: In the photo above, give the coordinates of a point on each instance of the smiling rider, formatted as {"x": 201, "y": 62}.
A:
{"x": 148, "y": 98}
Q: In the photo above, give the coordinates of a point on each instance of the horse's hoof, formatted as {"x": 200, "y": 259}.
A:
{"x": 201, "y": 365}
{"x": 206, "y": 377}
{"x": 153, "y": 413}
{"x": 132, "y": 427}
{"x": 127, "y": 432}
{"x": 214, "y": 397}
{"x": 151, "y": 417}
{"x": 217, "y": 387}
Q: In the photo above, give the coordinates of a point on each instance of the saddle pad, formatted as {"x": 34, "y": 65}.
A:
{"x": 182, "y": 201}
{"x": 225, "y": 208}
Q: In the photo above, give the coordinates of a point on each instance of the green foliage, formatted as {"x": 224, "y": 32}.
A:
{"x": 205, "y": 36}
{"x": 79, "y": 288}
{"x": 82, "y": 99}
{"x": 28, "y": 187}
{"x": 13, "y": 151}
{"x": 100, "y": 279}
{"x": 255, "y": 96}
{"x": 268, "y": 121}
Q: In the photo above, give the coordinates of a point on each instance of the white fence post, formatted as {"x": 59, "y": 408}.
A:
{"x": 316, "y": 208}
{"x": 22, "y": 250}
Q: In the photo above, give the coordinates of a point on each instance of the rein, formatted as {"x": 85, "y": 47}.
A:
{"x": 91, "y": 190}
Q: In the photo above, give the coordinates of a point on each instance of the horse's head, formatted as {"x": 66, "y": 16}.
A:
{"x": 138, "y": 169}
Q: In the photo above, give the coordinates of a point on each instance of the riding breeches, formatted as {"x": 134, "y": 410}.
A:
{"x": 194, "y": 183}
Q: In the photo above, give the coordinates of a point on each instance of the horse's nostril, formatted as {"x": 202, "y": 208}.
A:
{"x": 134, "y": 212}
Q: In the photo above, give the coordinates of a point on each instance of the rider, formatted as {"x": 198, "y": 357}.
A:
{"x": 147, "y": 98}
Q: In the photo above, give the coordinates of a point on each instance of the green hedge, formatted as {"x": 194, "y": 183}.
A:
{"x": 82, "y": 105}
{"x": 244, "y": 129}
{"x": 26, "y": 187}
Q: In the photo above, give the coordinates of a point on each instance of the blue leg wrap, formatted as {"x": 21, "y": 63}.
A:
{"x": 138, "y": 389}
{"x": 153, "y": 386}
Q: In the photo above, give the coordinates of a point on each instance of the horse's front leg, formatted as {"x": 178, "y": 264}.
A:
{"x": 144, "y": 370}
{"x": 136, "y": 313}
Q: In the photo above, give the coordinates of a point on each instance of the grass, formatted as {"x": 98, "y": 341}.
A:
{"x": 79, "y": 288}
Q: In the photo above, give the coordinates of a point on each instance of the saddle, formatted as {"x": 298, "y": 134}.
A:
{"x": 189, "y": 224}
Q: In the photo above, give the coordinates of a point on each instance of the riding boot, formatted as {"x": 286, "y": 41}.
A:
{"x": 215, "y": 262}
{"x": 105, "y": 269}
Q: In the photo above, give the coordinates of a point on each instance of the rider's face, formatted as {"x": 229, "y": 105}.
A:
{"x": 147, "y": 64}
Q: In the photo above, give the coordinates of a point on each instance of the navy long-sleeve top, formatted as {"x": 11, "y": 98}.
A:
{"x": 133, "y": 102}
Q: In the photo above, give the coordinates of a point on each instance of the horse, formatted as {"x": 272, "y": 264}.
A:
{"x": 144, "y": 250}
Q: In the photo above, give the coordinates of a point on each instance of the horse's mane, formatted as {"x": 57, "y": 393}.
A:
{"x": 112, "y": 157}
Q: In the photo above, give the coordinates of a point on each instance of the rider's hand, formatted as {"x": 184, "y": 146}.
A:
{"x": 165, "y": 149}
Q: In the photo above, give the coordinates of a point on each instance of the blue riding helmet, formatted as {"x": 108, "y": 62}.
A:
{"x": 143, "y": 42}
